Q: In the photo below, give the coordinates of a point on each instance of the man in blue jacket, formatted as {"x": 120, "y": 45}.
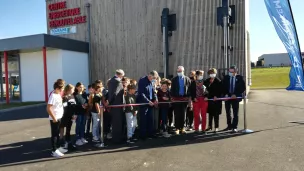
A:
{"x": 146, "y": 94}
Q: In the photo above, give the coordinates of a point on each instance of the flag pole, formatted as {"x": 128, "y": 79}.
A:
{"x": 294, "y": 24}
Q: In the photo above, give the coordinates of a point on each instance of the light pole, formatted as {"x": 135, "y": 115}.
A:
{"x": 88, "y": 6}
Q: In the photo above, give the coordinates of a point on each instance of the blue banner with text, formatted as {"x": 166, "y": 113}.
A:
{"x": 282, "y": 19}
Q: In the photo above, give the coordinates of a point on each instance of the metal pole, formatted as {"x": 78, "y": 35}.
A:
{"x": 228, "y": 45}
{"x": 88, "y": 5}
{"x": 1, "y": 82}
{"x": 7, "y": 94}
{"x": 245, "y": 114}
{"x": 165, "y": 15}
{"x": 294, "y": 24}
{"x": 164, "y": 52}
{"x": 225, "y": 28}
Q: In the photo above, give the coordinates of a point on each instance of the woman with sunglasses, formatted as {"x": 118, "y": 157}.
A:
{"x": 199, "y": 98}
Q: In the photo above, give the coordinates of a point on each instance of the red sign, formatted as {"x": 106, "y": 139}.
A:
{"x": 60, "y": 15}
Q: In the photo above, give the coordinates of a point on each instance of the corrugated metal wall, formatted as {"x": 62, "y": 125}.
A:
{"x": 127, "y": 34}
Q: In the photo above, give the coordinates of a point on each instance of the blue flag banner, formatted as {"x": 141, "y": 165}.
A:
{"x": 282, "y": 19}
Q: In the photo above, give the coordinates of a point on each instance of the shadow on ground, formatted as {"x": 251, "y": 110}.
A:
{"x": 35, "y": 151}
{"x": 22, "y": 114}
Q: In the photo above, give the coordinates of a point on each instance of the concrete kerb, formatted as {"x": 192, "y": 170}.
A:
{"x": 22, "y": 107}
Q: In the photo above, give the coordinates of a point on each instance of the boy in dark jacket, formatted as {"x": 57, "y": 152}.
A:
{"x": 131, "y": 112}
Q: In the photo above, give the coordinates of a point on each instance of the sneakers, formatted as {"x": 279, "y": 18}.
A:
{"x": 95, "y": 139}
{"x": 62, "y": 150}
{"x": 234, "y": 130}
{"x": 101, "y": 145}
{"x": 177, "y": 132}
{"x": 66, "y": 145}
{"x": 166, "y": 135}
{"x": 129, "y": 141}
{"x": 57, "y": 154}
{"x": 216, "y": 130}
{"x": 79, "y": 142}
{"x": 209, "y": 129}
{"x": 196, "y": 131}
{"x": 109, "y": 136}
{"x": 227, "y": 129}
{"x": 189, "y": 128}
{"x": 84, "y": 140}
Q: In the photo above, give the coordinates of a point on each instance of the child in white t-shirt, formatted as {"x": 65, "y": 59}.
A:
{"x": 55, "y": 111}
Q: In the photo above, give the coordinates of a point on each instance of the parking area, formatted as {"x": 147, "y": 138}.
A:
{"x": 276, "y": 144}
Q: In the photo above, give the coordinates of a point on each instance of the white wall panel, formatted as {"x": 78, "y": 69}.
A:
{"x": 32, "y": 81}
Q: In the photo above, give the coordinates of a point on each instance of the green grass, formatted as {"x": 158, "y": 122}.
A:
{"x": 17, "y": 104}
{"x": 263, "y": 78}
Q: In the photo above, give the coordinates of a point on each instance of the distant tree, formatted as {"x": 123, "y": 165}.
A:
{"x": 259, "y": 63}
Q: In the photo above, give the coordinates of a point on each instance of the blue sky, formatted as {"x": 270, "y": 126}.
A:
{"x": 26, "y": 17}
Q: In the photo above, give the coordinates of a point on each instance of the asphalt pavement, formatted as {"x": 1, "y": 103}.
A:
{"x": 275, "y": 145}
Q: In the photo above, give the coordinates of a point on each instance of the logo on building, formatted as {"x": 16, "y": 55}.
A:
{"x": 63, "y": 30}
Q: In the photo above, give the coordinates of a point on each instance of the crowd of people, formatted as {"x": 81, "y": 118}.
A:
{"x": 115, "y": 111}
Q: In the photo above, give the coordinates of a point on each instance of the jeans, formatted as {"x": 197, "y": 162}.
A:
{"x": 164, "y": 118}
{"x": 80, "y": 126}
{"x": 96, "y": 125}
{"x": 131, "y": 124}
{"x": 88, "y": 124}
{"x": 55, "y": 129}
{"x": 200, "y": 109}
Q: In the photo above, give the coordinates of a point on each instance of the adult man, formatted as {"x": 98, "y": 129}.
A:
{"x": 146, "y": 94}
{"x": 180, "y": 91}
{"x": 115, "y": 97}
{"x": 233, "y": 86}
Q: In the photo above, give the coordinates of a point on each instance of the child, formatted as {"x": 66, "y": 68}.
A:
{"x": 134, "y": 82}
{"x": 81, "y": 106}
{"x": 106, "y": 115}
{"x": 55, "y": 111}
{"x": 97, "y": 115}
{"x": 89, "y": 115}
{"x": 163, "y": 95}
{"x": 69, "y": 104}
{"x": 131, "y": 112}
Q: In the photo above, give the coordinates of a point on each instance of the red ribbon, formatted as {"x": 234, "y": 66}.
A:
{"x": 173, "y": 100}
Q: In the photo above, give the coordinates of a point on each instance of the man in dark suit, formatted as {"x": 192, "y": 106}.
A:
{"x": 146, "y": 94}
{"x": 115, "y": 97}
{"x": 179, "y": 92}
{"x": 233, "y": 86}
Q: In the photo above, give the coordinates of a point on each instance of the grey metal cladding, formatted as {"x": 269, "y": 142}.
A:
{"x": 24, "y": 42}
{"x": 42, "y": 40}
{"x": 65, "y": 43}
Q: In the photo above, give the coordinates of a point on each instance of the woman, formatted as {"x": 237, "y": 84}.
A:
{"x": 189, "y": 114}
{"x": 199, "y": 98}
{"x": 214, "y": 87}
{"x": 81, "y": 106}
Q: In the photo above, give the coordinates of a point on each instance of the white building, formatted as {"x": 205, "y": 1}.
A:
{"x": 31, "y": 64}
{"x": 275, "y": 59}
